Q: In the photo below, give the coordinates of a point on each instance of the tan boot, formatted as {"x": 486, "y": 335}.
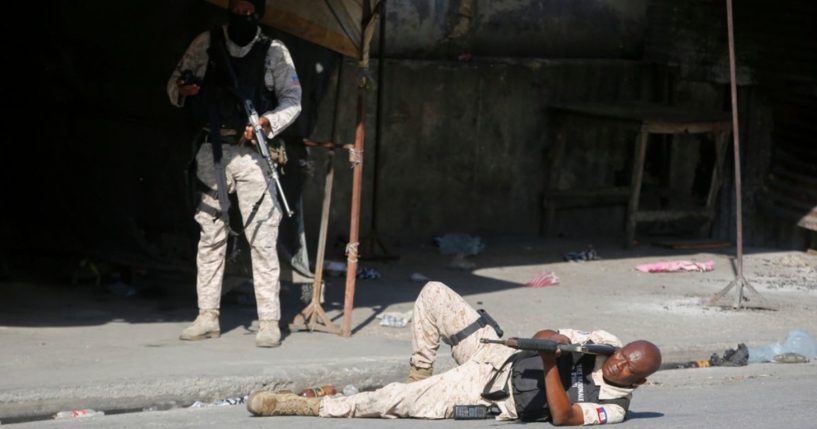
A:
{"x": 205, "y": 326}
{"x": 265, "y": 403}
{"x": 417, "y": 374}
{"x": 269, "y": 334}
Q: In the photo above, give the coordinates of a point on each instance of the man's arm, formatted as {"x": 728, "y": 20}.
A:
{"x": 280, "y": 76}
{"x": 562, "y": 411}
{"x": 195, "y": 60}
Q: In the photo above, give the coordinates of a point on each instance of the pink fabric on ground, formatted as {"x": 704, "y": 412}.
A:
{"x": 675, "y": 266}
{"x": 545, "y": 278}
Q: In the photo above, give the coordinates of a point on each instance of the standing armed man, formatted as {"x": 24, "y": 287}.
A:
{"x": 221, "y": 67}
{"x": 565, "y": 388}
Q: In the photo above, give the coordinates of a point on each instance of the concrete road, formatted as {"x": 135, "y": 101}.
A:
{"x": 755, "y": 396}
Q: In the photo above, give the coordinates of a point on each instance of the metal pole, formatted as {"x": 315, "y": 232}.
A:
{"x": 356, "y": 156}
{"x": 736, "y": 139}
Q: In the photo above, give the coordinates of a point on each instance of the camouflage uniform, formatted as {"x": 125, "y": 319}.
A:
{"x": 438, "y": 312}
{"x": 246, "y": 175}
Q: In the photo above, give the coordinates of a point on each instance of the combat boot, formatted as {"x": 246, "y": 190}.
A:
{"x": 417, "y": 374}
{"x": 266, "y": 403}
{"x": 205, "y": 326}
{"x": 269, "y": 334}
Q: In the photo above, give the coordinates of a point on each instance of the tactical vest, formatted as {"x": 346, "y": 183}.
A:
{"x": 217, "y": 86}
{"x": 528, "y": 384}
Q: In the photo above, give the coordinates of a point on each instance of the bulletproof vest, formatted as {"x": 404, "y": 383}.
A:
{"x": 218, "y": 88}
{"x": 528, "y": 383}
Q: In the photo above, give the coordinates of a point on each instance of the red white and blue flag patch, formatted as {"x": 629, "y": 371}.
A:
{"x": 602, "y": 413}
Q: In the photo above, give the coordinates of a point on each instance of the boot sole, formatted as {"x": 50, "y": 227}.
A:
{"x": 211, "y": 334}
{"x": 267, "y": 345}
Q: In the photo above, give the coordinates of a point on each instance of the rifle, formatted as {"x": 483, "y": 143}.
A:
{"x": 252, "y": 117}
{"x": 261, "y": 143}
{"x": 552, "y": 346}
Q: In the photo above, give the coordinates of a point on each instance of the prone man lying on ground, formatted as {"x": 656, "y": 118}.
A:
{"x": 564, "y": 388}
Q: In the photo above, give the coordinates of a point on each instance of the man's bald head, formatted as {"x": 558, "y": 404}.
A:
{"x": 632, "y": 364}
{"x": 646, "y": 355}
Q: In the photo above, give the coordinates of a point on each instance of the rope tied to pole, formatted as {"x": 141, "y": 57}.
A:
{"x": 352, "y": 252}
{"x": 355, "y": 157}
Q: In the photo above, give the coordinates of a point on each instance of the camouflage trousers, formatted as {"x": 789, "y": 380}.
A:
{"x": 438, "y": 313}
{"x": 246, "y": 174}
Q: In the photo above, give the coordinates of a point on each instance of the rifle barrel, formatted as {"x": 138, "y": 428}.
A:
{"x": 551, "y": 346}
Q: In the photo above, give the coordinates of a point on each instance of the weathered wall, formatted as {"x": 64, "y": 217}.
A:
{"x": 463, "y": 146}
{"x": 518, "y": 28}
{"x": 463, "y": 142}
{"x": 776, "y": 46}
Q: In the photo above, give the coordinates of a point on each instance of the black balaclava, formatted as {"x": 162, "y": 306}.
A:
{"x": 242, "y": 28}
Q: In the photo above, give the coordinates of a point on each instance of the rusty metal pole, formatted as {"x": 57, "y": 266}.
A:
{"x": 356, "y": 157}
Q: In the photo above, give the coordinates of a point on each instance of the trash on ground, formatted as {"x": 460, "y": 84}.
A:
{"x": 337, "y": 269}
{"x": 545, "y": 278}
{"x": 395, "y": 319}
{"x": 582, "y": 255}
{"x": 790, "y": 357}
{"x": 419, "y": 278}
{"x": 350, "y": 389}
{"x": 675, "y": 266}
{"x": 798, "y": 341}
{"x": 87, "y": 412}
{"x": 220, "y": 402}
{"x": 461, "y": 263}
{"x": 731, "y": 357}
{"x": 452, "y": 244}
{"x": 367, "y": 273}
{"x": 334, "y": 268}
{"x": 317, "y": 392}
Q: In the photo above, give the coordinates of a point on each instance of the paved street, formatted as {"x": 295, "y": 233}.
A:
{"x": 68, "y": 347}
{"x": 756, "y": 396}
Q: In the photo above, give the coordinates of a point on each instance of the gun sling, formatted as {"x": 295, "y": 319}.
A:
{"x": 484, "y": 320}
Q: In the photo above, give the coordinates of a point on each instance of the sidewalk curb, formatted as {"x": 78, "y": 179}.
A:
{"x": 136, "y": 394}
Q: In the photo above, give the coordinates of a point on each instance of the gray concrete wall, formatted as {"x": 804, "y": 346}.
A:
{"x": 464, "y": 145}
{"x": 518, "y": 28}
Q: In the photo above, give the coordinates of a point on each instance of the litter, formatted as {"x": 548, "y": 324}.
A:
{"x": 220, "y": 402}
{"x": 419, "y": 278}
{"x": 581, "y": 256}
{"x": 78, "y": 414}
{"x": 395, "y": 319}
{"x": 731, "y": 357}
{"x": 367, "y": 273}
{"x": 797, "y": 342}
{"x": 337, "y": 269}
{"x": 451, "y": 244}
{"x": 334, "y": 268}
{"x": 545, "y": 278}
{"x": 675, "y": 266}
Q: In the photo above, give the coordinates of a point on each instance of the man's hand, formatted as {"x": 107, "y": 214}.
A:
{"x": 547, "y": 334}
{"x": 187, "y": 90}
{"x": 249, "y": 132}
